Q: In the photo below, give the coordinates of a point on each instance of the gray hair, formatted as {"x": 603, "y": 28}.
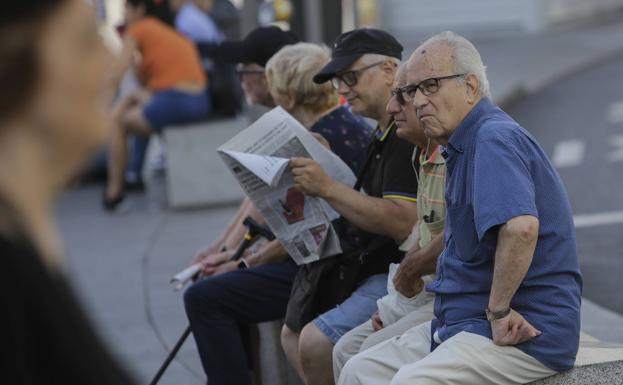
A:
{"x": 371, "y": 58}
{"x": 466, "y": 58}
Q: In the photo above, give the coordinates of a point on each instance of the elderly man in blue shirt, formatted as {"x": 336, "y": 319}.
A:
{"x": 508, "y": 287}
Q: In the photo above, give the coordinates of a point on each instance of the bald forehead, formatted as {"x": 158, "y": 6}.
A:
{"x": 401, "y": 75}
{"x": 433, "y": 58}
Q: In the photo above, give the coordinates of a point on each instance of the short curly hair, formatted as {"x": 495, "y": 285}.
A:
{"x": 290, "y": 72}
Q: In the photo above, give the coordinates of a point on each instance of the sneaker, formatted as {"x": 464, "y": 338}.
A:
{"x": 117, "y": 205}
{"x": 134, "y": 186}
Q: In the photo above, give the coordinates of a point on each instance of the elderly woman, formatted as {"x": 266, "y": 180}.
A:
{"x": 289, "y": 74}
{"x": 257, "y": 289}
{"x": 52, "y": 66}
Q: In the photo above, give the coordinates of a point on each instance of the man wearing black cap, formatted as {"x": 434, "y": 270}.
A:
{"x": 255, "y": 288}
{"x": 362, "y": 68}
{"x": 252, "y": 54}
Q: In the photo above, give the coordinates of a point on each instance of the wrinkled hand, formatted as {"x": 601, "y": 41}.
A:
{"x": 226, "y": 267}
{"x": 203, "y": 253}
{"x": 377, "y": 324}
{"x": 211, "y": 262}
{"x": 309, "y": 177}
{"x": 322, "y": 140}
{"x": 408, "y": 279}
{"x": 512, "y": 330}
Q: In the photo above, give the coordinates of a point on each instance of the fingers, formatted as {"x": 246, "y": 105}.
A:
{"x": 377, "y": 324}
{"x": 513, "y": 330}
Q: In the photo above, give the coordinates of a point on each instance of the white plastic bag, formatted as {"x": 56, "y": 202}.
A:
{"x": 394, "y": 305}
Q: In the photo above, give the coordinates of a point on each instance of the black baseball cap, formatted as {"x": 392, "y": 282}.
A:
{"x": 258, "y": 46}
{"x": 351, "y": 45}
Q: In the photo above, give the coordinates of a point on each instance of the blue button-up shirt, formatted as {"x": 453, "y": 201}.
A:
{"x": 496, "y": 171}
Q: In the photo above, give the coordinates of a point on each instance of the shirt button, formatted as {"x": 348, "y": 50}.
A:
{"x": 378, "y": 156}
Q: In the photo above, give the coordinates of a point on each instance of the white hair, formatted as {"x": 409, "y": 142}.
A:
{"x": 467, "y": 60}
{"x": 371, "y": 58}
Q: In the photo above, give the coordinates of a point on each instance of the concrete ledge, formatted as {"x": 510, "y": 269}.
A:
{"x": 607, "y": 373}
{"x": 274, "y": 366}
{"x": 596, "y": 363}
{"x": 196, "y": 175}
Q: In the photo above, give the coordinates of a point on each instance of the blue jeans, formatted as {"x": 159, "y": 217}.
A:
{"x": 216, "y": 306}
{"x": 164, "y": 108}
{"x": 355, "y": 310}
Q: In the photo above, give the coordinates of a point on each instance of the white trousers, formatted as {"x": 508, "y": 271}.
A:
{"x": 465, "y": 359}
{"x": 363, "y": 336}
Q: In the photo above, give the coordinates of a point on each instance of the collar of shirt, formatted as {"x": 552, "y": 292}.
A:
{"x": 461, "y": 137}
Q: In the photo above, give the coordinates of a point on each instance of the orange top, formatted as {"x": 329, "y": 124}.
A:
{"x": 168, "y": 58}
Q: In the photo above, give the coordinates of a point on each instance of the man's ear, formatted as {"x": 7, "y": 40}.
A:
{"x": 472, "y": 86}
{"x": 389, "y": 69}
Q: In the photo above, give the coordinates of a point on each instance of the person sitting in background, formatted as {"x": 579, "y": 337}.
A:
{"x": 192, "y": 19}
{"x": 257, "y": 289}
{"x": 52, "y": 116}
{"x": 175, "y": 88}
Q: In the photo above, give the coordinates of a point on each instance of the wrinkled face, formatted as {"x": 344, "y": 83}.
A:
{"x": 254, "y": 84}
{"x": 68, "y": 104}
{"x": 439, "y": 113}
{"x": 407, "y": 125}
{"x": 368, "y": 95}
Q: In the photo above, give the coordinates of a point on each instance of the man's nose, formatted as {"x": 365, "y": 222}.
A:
{"x": 393, "y": 107}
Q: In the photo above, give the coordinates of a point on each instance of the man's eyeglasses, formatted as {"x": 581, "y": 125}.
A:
{"x": 241, "y": 73}
{"x": 350, "y": 78}
{"x": 428, "y": 87}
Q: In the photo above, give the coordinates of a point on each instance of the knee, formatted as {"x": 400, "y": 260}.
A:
{"x": 352, "y": 369}
{"x": 287, "y": 337}
{"x": 200, "y": 295}
{"x": 410, "y": 375}
{"x": 311, "y": 345}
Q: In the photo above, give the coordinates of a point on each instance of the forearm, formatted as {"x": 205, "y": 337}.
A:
{"x": 430, "y": 253}
{"x": 513, "y": 256}
{"x": 390, "y": 217}
{"x": 270, "y": 252}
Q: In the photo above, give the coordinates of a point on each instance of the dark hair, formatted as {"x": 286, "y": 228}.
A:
{"x": 159, "y": 9}
{"x": 20, "y": 23}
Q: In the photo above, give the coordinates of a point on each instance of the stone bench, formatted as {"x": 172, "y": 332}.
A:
{"x": 596, "y": 363}
{"x": 196, "y": 174}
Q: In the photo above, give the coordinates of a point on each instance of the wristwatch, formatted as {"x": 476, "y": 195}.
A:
{"x": 498, "y": 314}
{"x": 243, "y": 264}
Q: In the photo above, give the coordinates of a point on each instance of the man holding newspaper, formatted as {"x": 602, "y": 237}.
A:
{"x": 334, "y": 295}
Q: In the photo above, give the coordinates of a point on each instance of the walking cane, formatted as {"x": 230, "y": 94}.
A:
{"x": 254, "y": 231}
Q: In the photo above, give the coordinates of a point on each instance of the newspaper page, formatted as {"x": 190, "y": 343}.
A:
{"x": 259, "y": 159}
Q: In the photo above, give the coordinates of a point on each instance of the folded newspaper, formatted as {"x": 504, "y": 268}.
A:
{"x": 259, "y": 158}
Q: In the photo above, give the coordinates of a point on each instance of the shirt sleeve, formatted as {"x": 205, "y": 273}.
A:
{"x": 502, "y": 184}
{"x": 400, "y": 179}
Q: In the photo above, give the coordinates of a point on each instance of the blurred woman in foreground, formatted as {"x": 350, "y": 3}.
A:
{"x": 51, "y": 68}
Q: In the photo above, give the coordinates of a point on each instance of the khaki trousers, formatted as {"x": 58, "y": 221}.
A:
{"x": 465, "y": 359}
{"x": 363, "y": 336}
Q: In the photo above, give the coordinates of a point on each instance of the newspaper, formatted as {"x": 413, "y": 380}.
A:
{"x": 259, "y": 159}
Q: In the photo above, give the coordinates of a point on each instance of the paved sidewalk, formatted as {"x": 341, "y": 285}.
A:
{"x": 115, "y": 261}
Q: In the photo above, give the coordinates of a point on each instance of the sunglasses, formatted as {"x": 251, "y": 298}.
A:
{"x": 350, "y": 78}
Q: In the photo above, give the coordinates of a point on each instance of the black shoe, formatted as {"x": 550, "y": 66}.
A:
{"x": 115, "y": 205}
{"x": 134, "y": 186}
